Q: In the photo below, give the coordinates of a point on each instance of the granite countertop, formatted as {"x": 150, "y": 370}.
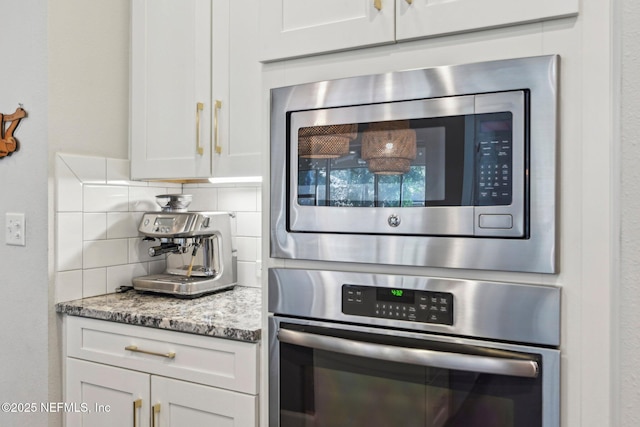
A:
{"x": 232, "y": 314}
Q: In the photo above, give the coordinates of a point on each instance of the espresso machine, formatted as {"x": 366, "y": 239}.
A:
{"x": 197, "y": 245}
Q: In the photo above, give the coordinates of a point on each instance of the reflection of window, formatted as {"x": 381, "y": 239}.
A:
{"x": 358, "y": 187}
{"x": 350, "y": 180}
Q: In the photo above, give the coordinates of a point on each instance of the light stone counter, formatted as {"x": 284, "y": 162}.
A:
{"x": 232, "y": 314}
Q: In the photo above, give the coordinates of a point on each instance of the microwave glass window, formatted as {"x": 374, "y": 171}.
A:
{"x": 445, "y": 161}
{"x": 407, "y": 163}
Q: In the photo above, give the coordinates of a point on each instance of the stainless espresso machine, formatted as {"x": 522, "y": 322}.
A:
{"x": 199, "y": 258}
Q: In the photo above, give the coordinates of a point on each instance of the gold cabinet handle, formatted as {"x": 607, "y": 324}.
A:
{"x": 137, "y": 404}
{"x": 409, "y": 1}
{"x": 170, "y": 355}
{"x": 156, "y": 410}
{"x": 199, "y": 107}
{"x": 217, "y": 107}
{"x": 377, "y": 4}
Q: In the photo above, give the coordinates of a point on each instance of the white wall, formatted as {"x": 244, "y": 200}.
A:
{"x": 89, "y": 77}
{"x": 23, "y": 188}
{"x": 627, "y": 336}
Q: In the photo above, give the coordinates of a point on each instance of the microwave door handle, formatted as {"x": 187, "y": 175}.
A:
{"x": 415, "y": 356}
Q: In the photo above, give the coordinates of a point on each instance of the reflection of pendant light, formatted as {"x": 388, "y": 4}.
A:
{"x": 389, "y": 147}
{"x": 325, "y": 142}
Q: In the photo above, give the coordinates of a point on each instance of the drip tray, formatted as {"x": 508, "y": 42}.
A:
{"x": 180, "y": 286}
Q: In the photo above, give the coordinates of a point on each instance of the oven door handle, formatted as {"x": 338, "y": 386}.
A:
{"x": 414, "y": 356}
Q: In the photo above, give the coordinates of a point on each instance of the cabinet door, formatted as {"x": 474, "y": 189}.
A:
{"x": 182, "y": 404}
{"x": 291, "y": 28}
{"x": 237, "y": 121}
{"x": 170, "y": 89}
{"x": 424, "y": 18}
{"x": 105, "y": 396}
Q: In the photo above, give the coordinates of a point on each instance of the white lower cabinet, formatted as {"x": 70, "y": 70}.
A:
{"x": 123, "y": 375}
{"x": 104, "y": 396}
{"x": 182, "y": 404}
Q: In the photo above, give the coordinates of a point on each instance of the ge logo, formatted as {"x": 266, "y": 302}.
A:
{"x": 393, "y": 220}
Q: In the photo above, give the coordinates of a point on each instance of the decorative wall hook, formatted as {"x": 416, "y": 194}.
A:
{"x": 8, "y": 144}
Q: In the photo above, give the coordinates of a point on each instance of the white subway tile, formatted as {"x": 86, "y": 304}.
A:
{"x": 94, "y": 226}
{"x": 94, "y": 282}
{"x": 104, "y": 253}
{"x": 247, "y": 248}
{"x": 248, "y": 224}
{"x": 247, "y": 274}
{"x": 143, "y": 199}
{"x": 69, "y": 241}
{"x": 204, "y": 199}
{"x": 68, "y": 285}
{"x": 106, "y": 198}
{"x": 259, "y": 199}
{"x": 68, "y": 188}
{"x": 89, "y": 170}
{"x": 121, "y": 225}
{"x": 122, "y": 275}
{"x": 237, "y": 199}
{"x": 118, "y": 172}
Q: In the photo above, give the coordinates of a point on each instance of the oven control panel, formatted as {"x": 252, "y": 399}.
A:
{"x": 396, "y": 303}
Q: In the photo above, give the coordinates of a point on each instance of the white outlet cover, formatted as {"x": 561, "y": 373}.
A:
{"x": 15, "y": 229}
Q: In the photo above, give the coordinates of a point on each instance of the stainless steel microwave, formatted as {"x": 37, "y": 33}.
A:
{"x": 444, "y": 167}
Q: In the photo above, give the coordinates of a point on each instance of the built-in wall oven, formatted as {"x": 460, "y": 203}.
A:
{"x": 358, "y": 349}
{"x": 451, "y": 166}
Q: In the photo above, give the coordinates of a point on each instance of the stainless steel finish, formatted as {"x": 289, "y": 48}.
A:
{"x": 536, "y": 253}
{"x": 200, "y": 258}
{"x": 550, "y": 373}
{"x": 174, "y": 202}
{"x": 518, "y": 318}
{"x": 489, "y": 310}
{"x": 414, "y": 356}
{"x": 180, "y": 224}
{"x": 163, "y": 248}
{"x": 450, "y": 221}
{"x": 508, "y": 101}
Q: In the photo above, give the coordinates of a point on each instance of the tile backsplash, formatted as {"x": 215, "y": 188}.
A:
{"x": 98, "y": 209}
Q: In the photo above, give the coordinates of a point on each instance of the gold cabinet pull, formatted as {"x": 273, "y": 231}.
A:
{"x": 377, "y": 4}
{"x": 137, "y": 404}
{"x": 217, "y": 107}
{"x": 156, "y": 410}
{"x": 409, "y": 1}
{"x": 199, "y": 149}
{"x": 170, "y": 355}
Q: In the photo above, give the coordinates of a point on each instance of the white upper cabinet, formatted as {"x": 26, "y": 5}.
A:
{"x": 171, "y": 89}
{"x": 425, "y": 18}
{"x": 291, "y": 28}
{"x": 195, "y": 86}
{"x": 238, "y": 129}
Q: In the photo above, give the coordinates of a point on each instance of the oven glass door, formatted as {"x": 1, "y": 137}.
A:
{"x": 330, "y": 377}
{"x": 430, "y": 162}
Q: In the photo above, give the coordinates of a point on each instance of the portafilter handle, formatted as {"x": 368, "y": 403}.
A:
{"x": 164, "y": 248}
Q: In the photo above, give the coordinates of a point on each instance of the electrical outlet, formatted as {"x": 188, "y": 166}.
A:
{"x": 15, "y": 229}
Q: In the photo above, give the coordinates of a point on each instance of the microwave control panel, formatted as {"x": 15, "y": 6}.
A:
{"x": 494, "y": 159}
{"x": 398, "y": 304}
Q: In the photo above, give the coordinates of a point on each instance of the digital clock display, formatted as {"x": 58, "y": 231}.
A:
{"x": 396, "y": 295}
